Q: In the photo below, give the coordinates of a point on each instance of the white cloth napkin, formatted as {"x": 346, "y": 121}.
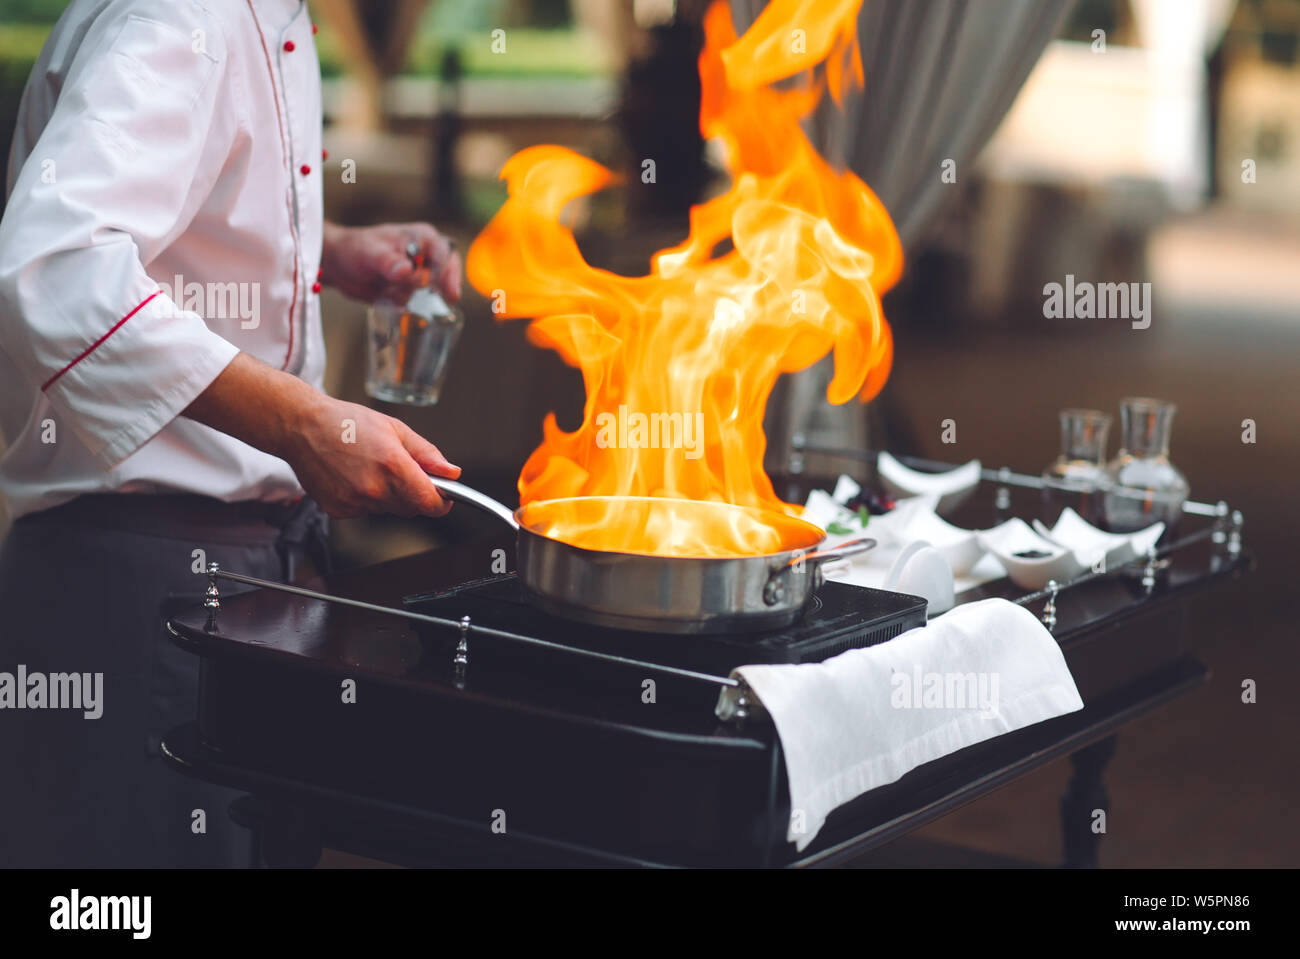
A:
{"x": 864, "y": 718}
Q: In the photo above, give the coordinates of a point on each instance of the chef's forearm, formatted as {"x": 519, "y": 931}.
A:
{"x": 349, "y": 458}
{"x": 262, "y": 406}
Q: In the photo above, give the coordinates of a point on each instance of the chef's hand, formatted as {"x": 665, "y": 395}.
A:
{"x": 353, "y": 460}
{"x": 349, "y": 458}
{"x": 370, "y": 263}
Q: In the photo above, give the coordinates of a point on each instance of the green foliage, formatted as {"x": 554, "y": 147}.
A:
{"x": 862, "y": 516}
{"x": 20, "y": 45}
{"x": 22, "y": 42}
{"x": 529, "y": 53}
{"x": 31, "y": 11}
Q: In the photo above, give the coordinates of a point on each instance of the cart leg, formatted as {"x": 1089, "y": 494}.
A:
{"x": 284, "y": 836}
{"x": 1085, "y": 796}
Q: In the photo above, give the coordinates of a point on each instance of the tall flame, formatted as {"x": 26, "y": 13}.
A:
{"x": 701, "y": 340}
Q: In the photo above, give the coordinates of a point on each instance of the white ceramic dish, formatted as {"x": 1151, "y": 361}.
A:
{"x": 1029, "y": 572}
{"x": 1091, "y": 545}
{"x": 951, "y": 486}
{"x": 960, "y": 547}
{"x": 922, "y": 570}
{"x": 892, "y": 528}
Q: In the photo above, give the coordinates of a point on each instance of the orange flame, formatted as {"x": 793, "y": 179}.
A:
{"x": 701, "y": 340}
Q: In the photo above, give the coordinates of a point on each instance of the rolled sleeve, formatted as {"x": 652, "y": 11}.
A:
{"x": 117, "y": 412}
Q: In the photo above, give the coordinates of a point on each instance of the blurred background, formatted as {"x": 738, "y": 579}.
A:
{"x": 1116, "y": 140}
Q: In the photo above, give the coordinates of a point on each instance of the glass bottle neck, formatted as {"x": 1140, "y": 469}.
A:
{"x": 1146, "y": 426}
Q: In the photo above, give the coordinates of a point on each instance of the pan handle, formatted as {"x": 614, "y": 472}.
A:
{"x": 466, "y": 494}
{"x": 850, "y": 548}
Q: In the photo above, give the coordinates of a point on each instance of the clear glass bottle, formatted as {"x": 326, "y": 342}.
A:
{"x": 1078, "y": 475}
{"x": 1144, "y": 486}
{"x": 409, "y": 345}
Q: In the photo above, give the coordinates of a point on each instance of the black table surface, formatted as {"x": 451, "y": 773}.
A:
{"x": 267, "y": 622}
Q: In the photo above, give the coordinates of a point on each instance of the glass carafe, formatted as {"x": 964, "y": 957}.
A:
{"x": 1145, "y": 487}
{"x": 409, "y": 347}
{"x": 1078, "y": 476}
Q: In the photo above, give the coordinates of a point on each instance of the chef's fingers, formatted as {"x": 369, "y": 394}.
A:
{"x": 413, "y": 494}
{"x": 436, "y": 255}
{"x": 409, "y": 491}
{"x": 428, "y": 456}
{"x": 399, "y": 270}
{"x": 449, "y": 278}
{"x": 438, "y": 249}
{"x": 435, "y": 249}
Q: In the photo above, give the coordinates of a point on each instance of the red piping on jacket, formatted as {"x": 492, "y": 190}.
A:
{"x": 94, "y": 346}
{"x": 284, "y": 150}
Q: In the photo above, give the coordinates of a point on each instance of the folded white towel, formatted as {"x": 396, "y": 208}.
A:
{"x": 864, "y": 718}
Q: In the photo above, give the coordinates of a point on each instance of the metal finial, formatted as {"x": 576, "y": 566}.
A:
{"x": 1149, "y": 572}
{"x": 1002, "y": 498}
{"x": 743, "y": 703}
{"x": 212, "y": 597}
{"x": 797, "y": 443}
{"x": 1049, "y": 611}
{"x": 1220, "y": 534}
{"x": 460, "y": 662}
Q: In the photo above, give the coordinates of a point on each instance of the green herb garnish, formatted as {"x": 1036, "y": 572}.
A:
{"x": 863, "y": 516}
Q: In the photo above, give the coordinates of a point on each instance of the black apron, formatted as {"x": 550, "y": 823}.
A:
{"x": 86, "y": 588}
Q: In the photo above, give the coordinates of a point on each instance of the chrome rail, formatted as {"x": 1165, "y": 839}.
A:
{"x": 463, "y": 627}
{"x": 1225, "y": 531}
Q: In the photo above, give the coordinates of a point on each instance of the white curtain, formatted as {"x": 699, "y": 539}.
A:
{"x": 940, "y": 75}
{"x": 1178, "y": 36}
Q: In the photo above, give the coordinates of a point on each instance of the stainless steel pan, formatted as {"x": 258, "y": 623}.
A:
{"x": 665, "y": 594}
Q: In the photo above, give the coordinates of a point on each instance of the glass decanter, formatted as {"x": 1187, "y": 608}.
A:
{"x": 408, "y": 351}
{"x": 1078, "y": 475}
{"x": 1145, "y": 487}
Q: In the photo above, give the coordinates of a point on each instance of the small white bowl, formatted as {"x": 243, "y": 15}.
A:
{"x": 1090, "y": 545}
{"x": 1015, "y": 536}
{"x": 951, "y": 486}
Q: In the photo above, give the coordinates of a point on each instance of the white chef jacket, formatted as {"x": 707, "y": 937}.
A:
{"x": 164, "y": 149}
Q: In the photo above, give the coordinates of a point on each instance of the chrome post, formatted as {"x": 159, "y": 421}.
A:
{"x": 460, "y": 661}
{"x": 743, "y": 704}
{"x": 1234, "y": 534}
{"x": 1002, "y": 497}
{"x": 212, "y": 598}
{"x": 1220, "y": 534}
{"x": 797, "y": 442}
{"x": 1049, "y": 611}
{"x": 1149, "y": 572}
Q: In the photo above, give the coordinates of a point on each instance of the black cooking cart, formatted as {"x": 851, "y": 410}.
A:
{"x": 473, "y": 730}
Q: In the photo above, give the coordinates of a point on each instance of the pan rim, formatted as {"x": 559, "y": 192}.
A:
{"x": 818, "y": 538}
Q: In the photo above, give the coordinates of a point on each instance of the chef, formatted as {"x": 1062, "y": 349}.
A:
{"x": 162, "y": 256}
